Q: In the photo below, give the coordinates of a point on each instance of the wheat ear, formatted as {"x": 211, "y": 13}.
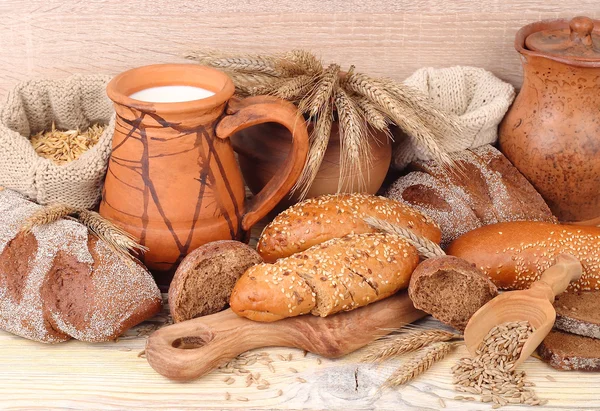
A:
{"x": 419, "y": 363}
{"x": 425, "y": 247}
{"x": 240, "y": 63}
{"x": 423, "y": 106}
{"x": 294, "y": 88}
{"x": 305, "y": 60}
{"x": 355, "y": 154}
{"x": 394, "y": 345}
{"x": 403, "y": 115}
{"x": 322, "y": 92}
{"x": 319, "y": 139}
{"x": 374, "y": 117}
{"x": 47, "y": 215}
{"x": 114, "y": 236}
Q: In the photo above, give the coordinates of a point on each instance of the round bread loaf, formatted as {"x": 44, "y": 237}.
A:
{"x": 61, "y": 282}
{"x": 323, "y": 218}
{"x": 204, "y": 280}
{"x": 450, "y": 289}
{"x": 515, "y": 254}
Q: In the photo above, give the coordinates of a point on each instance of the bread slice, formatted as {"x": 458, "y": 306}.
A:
{"x": 578, "y": 313}
{"x": 565, "y": 351}
{"x": 204, "y": 280}
{"x": 450, "y": 289}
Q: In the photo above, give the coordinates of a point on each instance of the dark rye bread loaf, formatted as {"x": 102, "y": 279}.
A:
{"x": 323, "y": 218}
{"x": 565, "y": 351}
{"x": 205, "y": 278}
{"x": 60, "y": 282}
{"x": 450, "y": 289}
{"x": 578, "y": 312}
{"x": 337, "y": 275}
{"x": 482, "y": 188}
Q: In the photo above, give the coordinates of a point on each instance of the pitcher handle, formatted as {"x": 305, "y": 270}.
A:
{"x": 268, "y": 109}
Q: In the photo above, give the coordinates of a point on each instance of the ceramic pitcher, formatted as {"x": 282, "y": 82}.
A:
{"x": 552, "y": 131}
{"x": 172, "y": 180}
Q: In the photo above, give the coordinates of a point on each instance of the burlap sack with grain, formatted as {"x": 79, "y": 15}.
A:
{"x": 75, "y": 102}
{"x": 479, "y": 98}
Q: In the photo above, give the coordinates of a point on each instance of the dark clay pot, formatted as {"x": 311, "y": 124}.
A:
{"x": 552, "y": 131}
{"x": 262, "y": 152}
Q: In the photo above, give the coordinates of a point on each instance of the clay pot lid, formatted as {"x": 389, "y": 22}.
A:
{"x": 579, "y": 41}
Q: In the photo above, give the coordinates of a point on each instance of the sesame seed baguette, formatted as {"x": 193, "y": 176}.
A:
{"x": 515, "y": 254}
{"x": 338, "y": 275}
{"x": 323, "y": 218}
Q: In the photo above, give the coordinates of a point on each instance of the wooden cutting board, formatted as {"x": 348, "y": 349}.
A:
{"x": 190, "y": 349}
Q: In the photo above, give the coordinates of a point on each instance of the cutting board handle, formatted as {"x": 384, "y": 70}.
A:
{"x": 190, "y": 349}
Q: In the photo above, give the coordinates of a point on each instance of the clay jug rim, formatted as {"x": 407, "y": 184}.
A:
{"x": 124, "y": 84}
{"x": 541, "y": 25}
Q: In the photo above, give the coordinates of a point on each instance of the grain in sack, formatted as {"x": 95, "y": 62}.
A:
{"x": 76, "y": 102}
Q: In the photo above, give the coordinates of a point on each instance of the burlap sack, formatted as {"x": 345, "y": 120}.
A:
{"x": 76, "y": 102}
{"x": 479, "y": 98}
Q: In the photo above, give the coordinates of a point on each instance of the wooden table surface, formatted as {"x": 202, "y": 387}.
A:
{"x": 76, "y": 375}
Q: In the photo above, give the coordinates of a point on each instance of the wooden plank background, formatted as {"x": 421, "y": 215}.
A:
{"x": 54, "y": 38}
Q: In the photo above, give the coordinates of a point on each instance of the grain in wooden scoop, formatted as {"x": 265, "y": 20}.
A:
{"x": 62, "y": 147}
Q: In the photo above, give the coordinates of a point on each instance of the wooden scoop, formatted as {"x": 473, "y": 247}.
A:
{"x": 190, "y": 349}
{"x": 533, "y": 305}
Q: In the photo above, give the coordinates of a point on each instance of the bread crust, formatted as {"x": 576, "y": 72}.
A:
{"x": 268, "y": 292}
{"x": 515, "y": 254}
{"x": 333, "y": 216}
{"x": 205, "y": 254}
{"x": 338, "y": 275}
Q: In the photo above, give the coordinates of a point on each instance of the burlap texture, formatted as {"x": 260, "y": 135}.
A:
{"x": 75, "y": 102}
{"x": 479, "y": 98}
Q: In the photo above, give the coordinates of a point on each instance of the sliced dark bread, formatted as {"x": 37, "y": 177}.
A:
{"x": 578, "y": 313}
{"x": 203, "y": 282}
{"x": 450, "y": 289}
{"x": 565, "y": 351}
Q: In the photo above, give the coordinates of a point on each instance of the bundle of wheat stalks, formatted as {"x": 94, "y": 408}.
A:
{"x": 65, "y": 146}
{"x": 326, "y": 93}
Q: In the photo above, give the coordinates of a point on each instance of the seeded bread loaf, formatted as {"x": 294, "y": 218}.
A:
{"x": 332, "y": 216}
{"x": 578, "y": 313}
{"x": 450, "y": 289}
{"x": 205, "y": 278}
{"x": 565, "y": 351}
{"x": 515, "y": 254}
{"x": 337, "y": 275}
{"x": 60, "y": 282}
{"x": 482, "y": 188}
